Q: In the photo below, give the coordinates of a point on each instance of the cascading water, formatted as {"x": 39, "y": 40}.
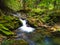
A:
{"x": 24, "y": 26}
{"x": 24, "y": 29}
{"x": 21, "y": 32}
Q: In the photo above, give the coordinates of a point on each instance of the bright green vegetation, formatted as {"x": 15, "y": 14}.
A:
{"x": 13, "y": 4}
{"x": 8, "y": 23}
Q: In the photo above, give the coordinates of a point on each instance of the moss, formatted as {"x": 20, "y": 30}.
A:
{"x": 13, "y": 4}
{"x": 14, "y": 42}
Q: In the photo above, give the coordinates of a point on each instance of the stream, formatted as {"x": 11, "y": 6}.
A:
{"x": 24, "y": 30}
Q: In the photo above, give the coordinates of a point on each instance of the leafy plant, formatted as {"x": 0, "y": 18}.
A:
{"x": 8, "y": 23}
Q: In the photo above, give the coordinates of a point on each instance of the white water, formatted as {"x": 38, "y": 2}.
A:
{"x": 25, "y": 28}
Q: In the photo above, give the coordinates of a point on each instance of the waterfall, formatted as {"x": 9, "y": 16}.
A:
{"x": 23, "y": 22}
{"x": 24, "y": 26}
{"x": 24, "y": 29}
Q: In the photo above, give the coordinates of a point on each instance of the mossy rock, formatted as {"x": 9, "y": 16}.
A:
{"x": 14, "y": 42}
{"x": 15, "y": 5}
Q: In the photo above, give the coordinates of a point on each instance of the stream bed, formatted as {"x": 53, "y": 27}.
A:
{"x": 27, "y": 35}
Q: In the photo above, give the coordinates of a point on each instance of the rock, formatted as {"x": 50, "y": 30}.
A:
{"x": 15, "y": 5}
{"x": 14, "y": 42}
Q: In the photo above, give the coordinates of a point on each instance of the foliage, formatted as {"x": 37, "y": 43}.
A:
{"x": 39, "y": 12}
{"x": 5, "y": 30}
{"x": 14, "y": 42}
{"x": 8, "y": 23}
{"x": 45, "y": 11}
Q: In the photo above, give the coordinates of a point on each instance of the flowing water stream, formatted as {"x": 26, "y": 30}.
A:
{"x": 21, "y": 32}
{"x": 24, "y": 29}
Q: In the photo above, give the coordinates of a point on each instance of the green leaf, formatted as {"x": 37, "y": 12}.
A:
{"x": 7, "y": 32}
{"x": 2, "y": 26}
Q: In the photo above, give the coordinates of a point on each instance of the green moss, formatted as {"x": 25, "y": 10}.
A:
{"x": 13, "y": 4}
{"x": 14, "y": 42}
